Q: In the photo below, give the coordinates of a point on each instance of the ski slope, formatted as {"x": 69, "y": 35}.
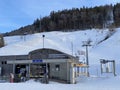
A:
{"x": 66, "y": 41}
{"x": 63, "y": 41}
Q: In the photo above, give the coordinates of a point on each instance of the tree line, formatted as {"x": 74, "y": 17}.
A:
{"x": 74, "y": 19}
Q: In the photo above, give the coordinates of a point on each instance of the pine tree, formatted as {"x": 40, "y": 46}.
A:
{"x": 1, "y": 41}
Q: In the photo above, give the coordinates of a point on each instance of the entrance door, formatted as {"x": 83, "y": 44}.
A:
{"x": 37, "y": 70}
{"x": 20, "y": 69}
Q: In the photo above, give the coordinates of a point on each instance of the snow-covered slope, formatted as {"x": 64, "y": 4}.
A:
{"x": 63, "y": 41}
{"x": 109, "y": 49}
{"x": 57, "y": 40}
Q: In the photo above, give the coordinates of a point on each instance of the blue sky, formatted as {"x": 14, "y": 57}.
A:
{"x": 17, "y": 13}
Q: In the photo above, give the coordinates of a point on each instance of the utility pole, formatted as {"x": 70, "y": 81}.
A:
{"x": 72, "y": 47}
{"x": 87, "y": 44}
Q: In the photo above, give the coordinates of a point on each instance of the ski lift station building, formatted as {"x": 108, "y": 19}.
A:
{"x": 56, "y": 64}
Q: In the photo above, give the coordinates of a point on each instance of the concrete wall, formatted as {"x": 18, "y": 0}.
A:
{"x": 6, "y": 70}
{"x": 62, "y": 73}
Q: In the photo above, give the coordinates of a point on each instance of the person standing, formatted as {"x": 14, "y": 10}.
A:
{"x": 11, "y": 77}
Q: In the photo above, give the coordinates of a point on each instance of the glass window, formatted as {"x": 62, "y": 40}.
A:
{"x": 57, "y": 67}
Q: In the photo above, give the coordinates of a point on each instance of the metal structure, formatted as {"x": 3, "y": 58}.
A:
{"x": 82, "y": 69}
{"x": 108, "y": 66}
{"x": 87, "y": 44}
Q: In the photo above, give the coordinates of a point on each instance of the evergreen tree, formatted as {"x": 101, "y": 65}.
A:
{"x": 1, "y": 41}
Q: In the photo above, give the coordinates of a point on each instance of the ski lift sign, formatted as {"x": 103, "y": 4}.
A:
{"x": 37, "y": 61}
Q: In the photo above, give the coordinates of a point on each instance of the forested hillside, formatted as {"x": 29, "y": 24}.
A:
{"x": 107, "y": 16}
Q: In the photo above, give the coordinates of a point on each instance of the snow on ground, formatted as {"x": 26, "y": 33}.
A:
{"x": 92, "y": 83}
{"x": 63, "y": 41}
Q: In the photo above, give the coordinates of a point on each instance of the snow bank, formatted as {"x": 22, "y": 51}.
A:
{"x": 92, "y": 83}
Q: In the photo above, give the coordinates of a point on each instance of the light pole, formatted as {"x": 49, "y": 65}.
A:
{"x": 46, "y": 69}
{"x": 87, "y": 44}
{"x": 43, "y": 40}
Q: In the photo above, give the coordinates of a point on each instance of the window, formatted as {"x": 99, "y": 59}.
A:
{"x": 57, "y": 67}
{"x": 4, "y": 62}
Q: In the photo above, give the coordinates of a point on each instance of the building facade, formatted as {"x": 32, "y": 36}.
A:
{"x": 49, "y": 63}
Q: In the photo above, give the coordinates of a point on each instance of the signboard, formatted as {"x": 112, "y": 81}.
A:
{"x": 37, "y": 61}
{"x": 57, "y": 56}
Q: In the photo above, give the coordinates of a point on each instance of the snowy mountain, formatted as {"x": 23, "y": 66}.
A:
{"x": 105, "y": 45}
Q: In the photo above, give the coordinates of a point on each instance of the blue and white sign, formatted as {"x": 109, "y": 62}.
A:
{"x": 37, "y": 61}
